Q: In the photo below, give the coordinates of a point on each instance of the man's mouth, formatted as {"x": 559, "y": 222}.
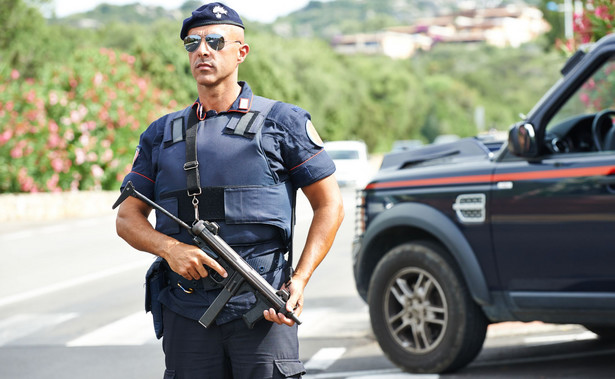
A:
{"x": 203, "y": 65}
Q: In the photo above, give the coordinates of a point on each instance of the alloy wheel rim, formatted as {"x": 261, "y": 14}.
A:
{"x": 415, "y": 310}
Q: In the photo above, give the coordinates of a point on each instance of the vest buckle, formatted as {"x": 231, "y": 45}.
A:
{"x": 191, "y": 165}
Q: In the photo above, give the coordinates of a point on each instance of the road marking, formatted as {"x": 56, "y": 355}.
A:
{"x": 17, "y": 235}
{"x": 397, "y": 376}
{"x": 319, "y": 322}
{"x": 538, "y": 340}
{"x": 61, "y": 227}
{"x": 22, "y": 325}
{"x": 391, "y": 373}
{"x": 134, "y": 330}
{"x": 324, "y": 358}
{"x": 73, "y": 282}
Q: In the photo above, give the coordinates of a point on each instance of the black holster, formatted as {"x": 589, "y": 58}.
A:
{"x": 155, "y": 281}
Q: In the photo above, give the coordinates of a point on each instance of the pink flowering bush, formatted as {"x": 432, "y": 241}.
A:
{"x": 596, "y": 21}
{"x": 596, "y": 93}
{"x": 77, "y": 125}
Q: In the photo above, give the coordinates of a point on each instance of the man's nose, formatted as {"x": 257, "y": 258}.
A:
{"x": 203, "y": 49}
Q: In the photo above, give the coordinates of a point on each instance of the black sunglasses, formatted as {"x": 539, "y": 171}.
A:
{"x": 215, "y": 41}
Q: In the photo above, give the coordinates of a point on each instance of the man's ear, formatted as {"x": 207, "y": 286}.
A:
{"x": 242, "y": 52}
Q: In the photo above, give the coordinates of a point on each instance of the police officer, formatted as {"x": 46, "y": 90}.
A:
{"x": 237, "y": 159}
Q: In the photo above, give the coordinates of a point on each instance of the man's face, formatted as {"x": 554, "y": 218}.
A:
{"x": 210, "y": 67}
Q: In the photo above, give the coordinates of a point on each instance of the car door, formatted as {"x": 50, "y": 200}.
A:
{"x": 553, "y": 223}
{"x": 553, "y": 218}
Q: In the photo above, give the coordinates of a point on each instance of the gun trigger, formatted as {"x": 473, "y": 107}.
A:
{"x": 217, "y": 278}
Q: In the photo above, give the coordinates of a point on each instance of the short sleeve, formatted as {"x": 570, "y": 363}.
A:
{"x": 142, "y": 173}
{"x": 301, "y": 149}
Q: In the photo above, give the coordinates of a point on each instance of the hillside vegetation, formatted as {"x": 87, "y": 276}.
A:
{"x": 73, "y": 101}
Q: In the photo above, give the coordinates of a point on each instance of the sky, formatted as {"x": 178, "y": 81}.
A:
{"x": 256, "y": 10}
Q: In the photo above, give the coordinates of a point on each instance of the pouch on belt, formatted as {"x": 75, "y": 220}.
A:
{"x": 155, "y": 281}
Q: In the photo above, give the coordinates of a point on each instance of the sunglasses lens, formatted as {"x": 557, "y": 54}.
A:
{"x": 192, "y": 42}
{"x": 215, "y": 41}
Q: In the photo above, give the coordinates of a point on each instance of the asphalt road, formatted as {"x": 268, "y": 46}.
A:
{"x": 71, "y": 306}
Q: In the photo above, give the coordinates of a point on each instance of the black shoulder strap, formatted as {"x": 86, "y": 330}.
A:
{"x": 289, "y": 264}
{"x": 192, "y": 163}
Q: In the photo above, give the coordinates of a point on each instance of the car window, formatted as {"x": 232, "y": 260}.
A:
{"x": 596, "y": 94}
{"x": 343, "y": 154}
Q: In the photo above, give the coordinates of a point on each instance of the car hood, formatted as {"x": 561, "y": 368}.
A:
{"x": 468, "y": 156}
{"x": 453, "y": 152}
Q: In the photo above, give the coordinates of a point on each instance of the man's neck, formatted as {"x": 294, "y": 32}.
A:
{"x": 219, "y": 98}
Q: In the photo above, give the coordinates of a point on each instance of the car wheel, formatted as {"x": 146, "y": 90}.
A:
{"x": 604, "y": 332}
{"x": 421, "y": 311}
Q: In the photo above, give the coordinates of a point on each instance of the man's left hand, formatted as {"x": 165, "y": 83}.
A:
{"x": 294, "y": 304}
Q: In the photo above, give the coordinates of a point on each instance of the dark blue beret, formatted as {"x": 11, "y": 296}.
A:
{"x": 208, "y": 14}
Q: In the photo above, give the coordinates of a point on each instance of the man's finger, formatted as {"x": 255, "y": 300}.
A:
{"x": 202, "y": 271}
{"x": 215, "y": 265}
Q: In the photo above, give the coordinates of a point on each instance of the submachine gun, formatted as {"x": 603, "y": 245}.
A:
{"x": 241, "y": 276}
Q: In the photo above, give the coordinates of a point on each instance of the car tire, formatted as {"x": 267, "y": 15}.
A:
{"x": 421, "y": 311}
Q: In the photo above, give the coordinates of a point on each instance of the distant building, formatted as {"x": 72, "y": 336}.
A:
{"x": 393, "y": 44}
{"x": 512, "y": 25}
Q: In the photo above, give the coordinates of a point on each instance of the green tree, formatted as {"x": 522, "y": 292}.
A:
{"x": 26, "y": 42}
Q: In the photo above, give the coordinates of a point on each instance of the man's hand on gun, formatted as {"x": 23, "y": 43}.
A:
{"x": 294, "y": 304}
{"x": 191, "y": 262}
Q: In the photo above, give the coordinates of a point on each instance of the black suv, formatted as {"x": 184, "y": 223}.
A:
{"x": 453, "y": 237}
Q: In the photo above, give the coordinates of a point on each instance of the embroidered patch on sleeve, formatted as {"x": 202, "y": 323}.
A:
{"x": 313, "y": 134}
{"x": 136, "y": 155}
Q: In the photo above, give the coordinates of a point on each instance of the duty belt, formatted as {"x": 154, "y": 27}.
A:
{"x": 261, "y": 264}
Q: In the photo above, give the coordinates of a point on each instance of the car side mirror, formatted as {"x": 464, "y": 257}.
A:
{"x": 522, "y": 140}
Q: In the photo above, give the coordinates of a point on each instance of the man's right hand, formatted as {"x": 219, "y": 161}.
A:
{"x": 190, "y": 261}
{"x": 186, "y": 260}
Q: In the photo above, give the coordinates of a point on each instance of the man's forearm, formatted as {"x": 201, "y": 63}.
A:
{"x": 325, "y": 224}
{"x": 132, "y": 225}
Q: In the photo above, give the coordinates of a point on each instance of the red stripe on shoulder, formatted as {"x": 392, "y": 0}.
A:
{"x": 302, "y": 163}
{"x": 134, "y": 172}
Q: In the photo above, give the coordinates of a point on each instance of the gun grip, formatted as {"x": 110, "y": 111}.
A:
{"x": 255, "y": 313}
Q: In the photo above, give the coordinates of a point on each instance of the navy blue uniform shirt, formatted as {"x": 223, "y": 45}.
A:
{"x": 292, "y": 155}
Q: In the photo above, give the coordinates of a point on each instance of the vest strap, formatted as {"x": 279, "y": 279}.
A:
{"x": 244, "y": 123}
{"x": 211, "y": 204}
{"x": 192, "y": 164}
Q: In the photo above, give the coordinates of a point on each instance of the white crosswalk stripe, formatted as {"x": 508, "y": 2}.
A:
{"x": 135, "y": 329}
{"x": 324, "y": 358}
{"x": 371, "y": 374}
{"x": 319, "y": 322}
{"x": 22, "y": 325}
